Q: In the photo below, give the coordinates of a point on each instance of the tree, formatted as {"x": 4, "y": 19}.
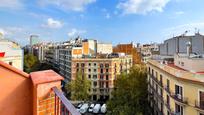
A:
{"x": 30, "y": 62}
{"x": 79, "y": 87}
{"x": 130, "y": 94}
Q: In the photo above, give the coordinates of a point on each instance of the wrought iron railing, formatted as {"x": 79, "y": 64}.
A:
{"x": 62, "y": 105}
{"x": 179, "y": 98}
{"x": 199, "y": 104}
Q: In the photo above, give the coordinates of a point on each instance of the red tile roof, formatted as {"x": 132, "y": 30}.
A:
{"x": 45, "y": 77}
{"x": 176, "y": 67}
{"x": 11, "y": 68}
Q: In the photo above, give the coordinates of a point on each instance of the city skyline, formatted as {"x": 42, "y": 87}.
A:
{"x": 113, "y": 21}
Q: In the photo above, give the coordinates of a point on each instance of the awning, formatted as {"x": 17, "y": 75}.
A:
{"x": 2, "y": 54}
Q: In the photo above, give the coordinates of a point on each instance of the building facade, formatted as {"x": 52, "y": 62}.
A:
{"x": 12, "y": 53}
{"x": 104, "y": 48}
{"x": 129, "y": 49}
{"x": 178, "y": 44}
{"x": 102, "y": 72}
{"x": 176, "y": 87}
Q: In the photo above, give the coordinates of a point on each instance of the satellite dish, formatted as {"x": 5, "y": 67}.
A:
{"x": 188, "y": 43}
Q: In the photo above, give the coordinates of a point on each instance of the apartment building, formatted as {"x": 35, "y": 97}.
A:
{"x": 101, "y": 71}
{"x": 11, "y": 53}
{"x": 176, "y": 85}
{"x": 104, "y": 48}
{"x": 178, "y": 44}
{"x": 65, "y": 61}
{"x": 51, "y": 51}
{"x": 129, "y": 49}
{"x": 148, "y": 50}
{"x": 89, "y": 47}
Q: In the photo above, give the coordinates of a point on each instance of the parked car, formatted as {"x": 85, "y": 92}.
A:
{"x": 84, "y": 108}
{"x": 79, "y": 106}
{"x": 91, "y": 108}
{"x": 96, "y": 108}
{"x": 103, "y": 108}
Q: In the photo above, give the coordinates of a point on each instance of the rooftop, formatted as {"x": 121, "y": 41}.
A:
{"x": 178, "y": 72}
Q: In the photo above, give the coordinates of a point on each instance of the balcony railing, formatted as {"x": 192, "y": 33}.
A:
{"x": 62, "y": 105}
{"x": 199, "y": 105}
{"x": 160, "y": 83}
{"x": 180, "y": 98}
{"x": 167, "y": 89}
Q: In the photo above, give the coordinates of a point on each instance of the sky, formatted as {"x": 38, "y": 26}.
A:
{"x": 108, "y": 21}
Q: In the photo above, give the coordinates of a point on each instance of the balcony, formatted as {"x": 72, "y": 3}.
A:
{"x": 160, "y": 83}
{"x": 62, "y": 105}
{"x": 167, "y": 89}
{"x": 180, "y": 98}
{"x": 199, "y": 105}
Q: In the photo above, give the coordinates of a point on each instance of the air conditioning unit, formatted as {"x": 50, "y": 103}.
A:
{"x": 178, "y": 96}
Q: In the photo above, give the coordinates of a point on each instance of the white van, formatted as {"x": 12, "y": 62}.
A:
{"x": 96, "y": 108}
{"x": 103, "y": 108}
{"x": 84, "y": 108}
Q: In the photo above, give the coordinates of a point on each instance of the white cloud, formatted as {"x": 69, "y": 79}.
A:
{"x": 75, "y": 5}
{"x": 180, "y": 29}
{"x": 179, "y": 13}
{"x": 141, "y": 6}
{"x": 107, "y": 16}
{"x": 10, "y": 30}
{"x": 12, "y": 4}
{"x": 75, "y": 32}
{"x": 53, "y": 24}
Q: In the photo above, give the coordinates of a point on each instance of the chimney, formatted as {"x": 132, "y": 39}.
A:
{"x": 188, "y": 46}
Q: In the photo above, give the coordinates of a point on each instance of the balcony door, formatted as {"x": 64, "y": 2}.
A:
{"x": 178, "y": 91}
{"x": 201, "y": 95}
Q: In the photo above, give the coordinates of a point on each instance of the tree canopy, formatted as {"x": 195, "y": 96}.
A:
{"x": 30, "y": 61}
{"x": 79, "y": 88}
{"x": 130, "y": 94}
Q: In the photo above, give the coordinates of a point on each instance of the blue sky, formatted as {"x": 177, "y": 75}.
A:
{"x": 116, "y": 21}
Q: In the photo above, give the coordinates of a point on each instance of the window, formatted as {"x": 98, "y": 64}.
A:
{"x": 106, "y": 70}
{"x": 95, "y": 84}
{"x": 182, "y": 63}
{"x": 89, "y": 76}
{"x": 94, "y": 76}
{"x": 167, "y": 100}
{"x": 106, "y": 77}
{"x": 168, "y": 113}
{"x": 178, "y": 109}
{"x": 178, "y": 91}
{"x": 168, "y": 84}
{"x": 106, "y": 84}
{"x": 101, "y": 77}
{"x": 101, "y": 70}
{"x": 89, "y": 64}
{"x": 201, "y": 99}
{"x": 89, "y": 70}
{"x": 161, "y": 77}
{"x": 106, "y": 65}
{"x": 10, "y": 63}
{"x": 94, "y": 64}
{"x": 149, "y": 70}
{"x": 94, "y": 70}
{"x": 152, "y": 72}
{"x": 101, "y": 65}
{"x": 82, "y": 64}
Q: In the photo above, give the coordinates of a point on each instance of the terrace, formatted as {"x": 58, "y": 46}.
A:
{"x": 38, "y": 93}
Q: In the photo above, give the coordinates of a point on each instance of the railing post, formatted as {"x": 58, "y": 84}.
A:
{"x": 43, "y": 96}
